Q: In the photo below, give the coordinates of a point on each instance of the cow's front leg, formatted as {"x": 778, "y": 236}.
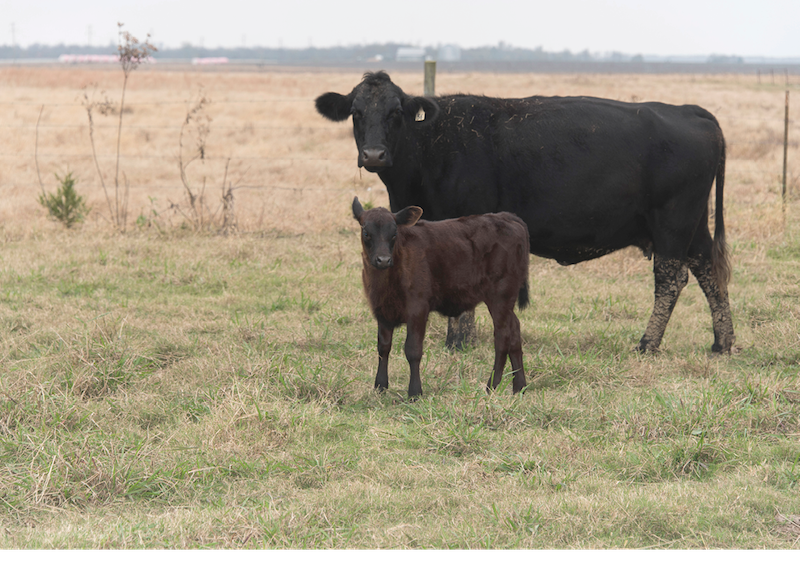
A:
{"x": 671, "y": 275}
{"x": 385, "y": 334}
{"x": 416, "y": 336}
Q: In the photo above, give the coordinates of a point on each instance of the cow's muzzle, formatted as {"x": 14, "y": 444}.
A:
{"x": 375, "y": 158}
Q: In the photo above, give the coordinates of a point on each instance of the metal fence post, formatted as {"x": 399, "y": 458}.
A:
{"x": 785, "y": 149}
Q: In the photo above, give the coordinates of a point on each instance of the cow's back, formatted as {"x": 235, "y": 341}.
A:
{"x": 583, "y": 173}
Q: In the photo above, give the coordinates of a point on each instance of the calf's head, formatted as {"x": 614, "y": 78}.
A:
{"x": 381, "y": 115}
{"x": 379, "y": 232}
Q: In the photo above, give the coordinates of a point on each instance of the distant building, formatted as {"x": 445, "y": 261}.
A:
{"x": 449, "y": 53}
{"x": 409, "y": 54}
{"x": 209, "y": 61}
{"x": 88, "y": 58}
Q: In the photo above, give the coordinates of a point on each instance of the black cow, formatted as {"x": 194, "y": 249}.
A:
{"x": 588, "y": 176}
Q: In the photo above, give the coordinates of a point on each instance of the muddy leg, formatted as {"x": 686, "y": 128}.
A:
{"x": 671, "y": 275}
{"x": 461, "y": 331}
{"x": 717, "y": 296}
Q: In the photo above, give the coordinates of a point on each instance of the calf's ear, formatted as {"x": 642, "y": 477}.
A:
{"x": 408, "y": 216}
{"x": 423, "y": 110}
{"x": 358, "y": 210}
{"x": 335, "y": 107}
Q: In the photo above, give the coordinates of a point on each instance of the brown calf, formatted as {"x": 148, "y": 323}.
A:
{"x": 413, "y": 267}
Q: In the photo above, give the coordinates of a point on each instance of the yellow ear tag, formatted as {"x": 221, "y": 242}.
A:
{"x": 420, "y": 115}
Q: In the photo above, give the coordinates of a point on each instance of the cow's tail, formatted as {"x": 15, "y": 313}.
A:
{"x": 720, "y": 258}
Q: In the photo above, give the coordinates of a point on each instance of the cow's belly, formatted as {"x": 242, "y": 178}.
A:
{"x": 574, "y": 241}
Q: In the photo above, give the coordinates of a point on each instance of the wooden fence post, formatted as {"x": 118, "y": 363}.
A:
{"x": 430, "y": 78}
{"x": 461, "y": 331}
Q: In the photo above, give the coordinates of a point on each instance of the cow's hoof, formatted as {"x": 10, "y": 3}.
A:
{"x": 646, "y": 348}
{"x": 726, "y": 347}
{"x": 719, "y": 351}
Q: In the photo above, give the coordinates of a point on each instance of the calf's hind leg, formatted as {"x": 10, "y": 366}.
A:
{"x": 507, "y": 343}
{"x": 416, "y": 336}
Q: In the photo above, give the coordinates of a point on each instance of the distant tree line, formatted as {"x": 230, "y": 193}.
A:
{"x": 355, "y": 53}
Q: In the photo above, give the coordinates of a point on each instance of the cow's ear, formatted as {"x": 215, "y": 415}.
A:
{"x": 358, "y": 210}
{"x": 335, "y": 107}
{"x": 408, "y": 216}
{"x": 422, "y": 109}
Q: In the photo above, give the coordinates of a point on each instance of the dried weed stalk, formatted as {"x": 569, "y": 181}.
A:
{"x": 229, "y": 225}
{"x": 198, "y": 123}
{"x": 132, "y": 53}
{"x": 103, "y": 107}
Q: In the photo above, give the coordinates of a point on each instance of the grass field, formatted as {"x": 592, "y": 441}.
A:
{"x": 179, "y": 389}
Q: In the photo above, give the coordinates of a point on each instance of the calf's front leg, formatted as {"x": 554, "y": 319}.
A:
{"x": 385, "y": 334}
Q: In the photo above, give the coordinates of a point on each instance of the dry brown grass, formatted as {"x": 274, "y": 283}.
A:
{"x": 293, "y": 170}
{"x": 209, "y": 392}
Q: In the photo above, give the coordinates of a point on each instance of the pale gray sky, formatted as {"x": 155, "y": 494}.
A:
{"x": 767, "y": 28}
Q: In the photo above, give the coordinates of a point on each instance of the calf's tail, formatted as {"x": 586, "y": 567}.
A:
{"x": 523, "y": 299}
{"x": 720, "y": 258}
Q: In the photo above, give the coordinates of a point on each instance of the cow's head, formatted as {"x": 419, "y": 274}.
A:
{"x": 379, "y": 232}
{"x": 381, "y": 113}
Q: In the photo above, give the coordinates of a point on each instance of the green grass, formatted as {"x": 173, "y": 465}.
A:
{"x": 193, "y": 391}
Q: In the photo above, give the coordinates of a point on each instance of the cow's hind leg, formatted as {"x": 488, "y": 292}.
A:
{"x": 717, "y": 294}
{"x": 671, "y": 275}
{"x": 461, "y": 331}
{"x": 718, "y": 302}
